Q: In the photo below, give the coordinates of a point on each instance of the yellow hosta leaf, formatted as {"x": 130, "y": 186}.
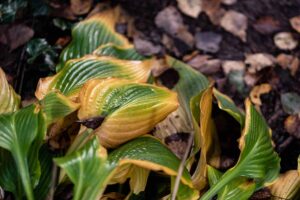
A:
{"x": 77, "y": 71}
{"x": 130, "y": 109}
{"x": 9, "y": 100}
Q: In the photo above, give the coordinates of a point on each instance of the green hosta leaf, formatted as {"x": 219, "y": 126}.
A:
{"x": 190, "y": 83}
{"x": 9, "y": 100}
{"x": 91, "y": 33}
{"x": 21, "y": 133}
{"x": 257, "y": 160}
{"x": 239, "y": 188}
{"x": 88, "y": 170}
{"x": 126, "y": 53}
{"x": 148, "y": 153}
{"x": 130, "y": 109}
{"x": 226, "y": 104}
{"x": 56, "y": 106}
{"x": 76, "y": 72}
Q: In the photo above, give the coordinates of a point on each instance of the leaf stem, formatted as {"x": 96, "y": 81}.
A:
{"x": 23, "y": 172}
{"x": 227, "y": 177}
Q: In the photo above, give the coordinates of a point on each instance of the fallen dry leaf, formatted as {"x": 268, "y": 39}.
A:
{"x": 232, "y": 65}
{"x": 170, "y": 21}
{"x": 285, "y": 41}
{"x": 259, "y": 90}
{"x": 80, "y": 7}
{"x": 191, "y": 8}
{"x": 15, "y": 36}
{"x": 235, "y": 23}
{"x": 266, "y": 25}
{"x": 259, "y": 61}
{"x": 288, "y": 62}
{"x": 145, "y": 47}
{"x": 229, "y": 2}
{"x": 205, "y": 64}
{"x": 292, "y": 125}
{"x": 295, "y": 23}
{"x": 208, "y": 41}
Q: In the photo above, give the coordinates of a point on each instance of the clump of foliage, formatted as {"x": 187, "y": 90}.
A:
{"x": 104, "y": 85}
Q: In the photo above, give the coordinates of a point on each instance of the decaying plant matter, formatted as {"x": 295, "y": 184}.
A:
{"x": 106, "y": 87}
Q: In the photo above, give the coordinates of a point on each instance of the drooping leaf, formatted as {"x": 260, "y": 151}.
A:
{"x": 76, "y": 72}
{"x": 287, "y": 186}
{"x": 91, "y": 33}
{"x": 239, "y": 188}
{"x": 210, "y": 149}
{"x": 9, "y": 100}
{"x": 130, "y": 109}
{"x": 127, "y": 53}
{"x": 56, "y": 106}
{"x": 149, "y": 153}
{"x": 88, "y": 170}
{"x": 21, "y": 133}
{"x": 257, "y": 160}
{"x": 226, "y": 104}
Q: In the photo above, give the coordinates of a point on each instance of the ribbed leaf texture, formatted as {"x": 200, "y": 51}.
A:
{"x": 130, "y": 109}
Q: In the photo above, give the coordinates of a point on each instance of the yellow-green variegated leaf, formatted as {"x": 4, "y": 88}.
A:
{"x": 258, "y": 160}
{"x": 149, "y": 153}
{"x": 77, "y": 71}
{"x": 91, "y": 33}
{"x": 239, "y": 188}
{"x": 9, "y": 100}
{"x": 130, "y": 109}
{"x": 55, "y": 106}
{"x": 226, "y": 104}
{"x": 287, "y": 186}
{"x": 122, "y": 52}
{"x": 210, "y": 149}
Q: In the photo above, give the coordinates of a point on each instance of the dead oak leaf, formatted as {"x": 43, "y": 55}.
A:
{"x": 235, "y": 23}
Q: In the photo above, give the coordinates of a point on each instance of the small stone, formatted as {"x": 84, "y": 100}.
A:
{"x": 285, "y": 41}
{"x": 208, "y": 41}
{"x": 145, "y": 47}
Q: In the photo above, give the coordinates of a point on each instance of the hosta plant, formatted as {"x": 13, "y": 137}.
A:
{"x": 120, "y": 118}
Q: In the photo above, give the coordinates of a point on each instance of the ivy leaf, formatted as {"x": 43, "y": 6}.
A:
{"x": 91, "y": 33}
{"x": 76, "y": 72}
{"x": 257, "y": 160}
{"x": 10, "y": 101}
{"x": 21, "y": 133}
{"x": 130, "y": 109}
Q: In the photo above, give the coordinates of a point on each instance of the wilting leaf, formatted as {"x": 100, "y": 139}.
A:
{"x": 10, "y": 101}
{"x": 257, "y": 160}
{"x": 56, "y": 106}
{"x": 147, "y": 152}
{"x": 131, "y": 109}
{"x": 226, "y": 104}
{"x": 239, "y": 188}
{"x": 127, "y": 53}
{"x": 77, "y": 71}
{"x": 287, "y": 186}
{"x": 21, "y": 133}
{"x": 88, "y": 170}
{"x": 210, "y": 150}
{"x": 90, "y": 34}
